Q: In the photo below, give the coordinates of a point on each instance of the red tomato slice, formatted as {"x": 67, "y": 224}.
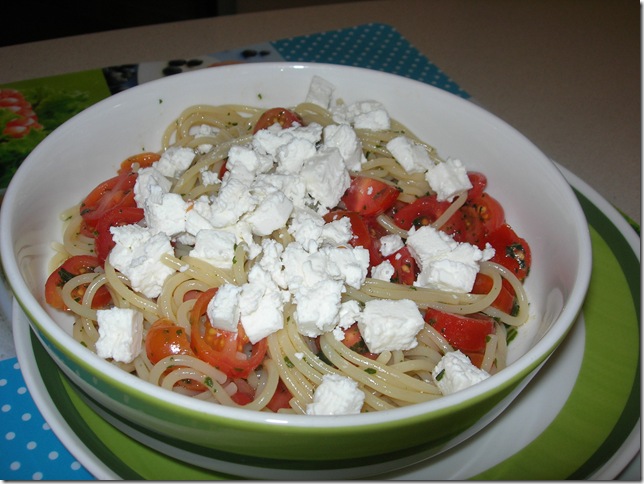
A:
{"x": 140, "y": 160}
{"x": 505, "y": 301}
{"x": 281, "y": 397}
{"x": 115, "y": 192}
{"x": 479, "y": 184}
{"x": 165, "y": 338}
{"x": 405, "y": 266}
{"x": 422, "y": 211}
{"x": 465, "y": 333}
{"x": 477, "y": 218}
{"x": 353, "y": 340}
{"x": 363, "y": 236}
{"x": 74, "y": 266}
{"x": 115, "y": 217}
{"x": 369, "y": 197}
{"x": 285, "y": 117}
{"x": 221, "y": 348}
{"x": 511, "y": 251}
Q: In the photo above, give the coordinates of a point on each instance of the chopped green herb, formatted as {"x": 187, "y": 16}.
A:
{"x": 440, "y": 375}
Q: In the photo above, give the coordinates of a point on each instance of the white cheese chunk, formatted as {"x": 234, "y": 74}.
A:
{"x": 174, "y": 161}
{"x": 168, "y": 215}
{"x": 367, "y": 114}
{"x": 217, "y": 247}
{"x": 137, "y": 255}
{"x": 389, "y": 325}
{"x": 320, "y": 92}
{"x": 120, "y": 334}
{"x": 455, "y": 372}
{"x": 390, "y": 244}
{"x": 150, "y": 185}
{"x": 326, "y": 178}
{"x": 223, "y": 309}
{"x": 383, "y": 271}
{"x": 445, "y": 264}
{"x": 448, "y": 179}
{"x": 336, "y": 395}
{"x": 411, "y": 156}
{"x": 261, "y": 305}
{"x": 345, "y": 139}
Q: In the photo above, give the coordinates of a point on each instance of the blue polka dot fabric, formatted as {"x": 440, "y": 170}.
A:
{"x": 372, "y": 46}
{"x": 29, "y": 449}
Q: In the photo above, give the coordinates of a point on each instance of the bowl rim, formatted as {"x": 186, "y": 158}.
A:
{"x": 158, "y": 396}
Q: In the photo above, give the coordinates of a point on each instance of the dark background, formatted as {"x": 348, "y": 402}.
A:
{"x": 34, "y": 20}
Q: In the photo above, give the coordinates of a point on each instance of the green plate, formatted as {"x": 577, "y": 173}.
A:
{"x": 576, "y": 420}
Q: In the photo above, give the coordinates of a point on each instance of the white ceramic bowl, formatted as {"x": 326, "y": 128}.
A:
{"x": 538, "y": 202}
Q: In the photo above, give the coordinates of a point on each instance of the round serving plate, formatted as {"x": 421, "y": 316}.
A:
{"x": 578, "y": 419}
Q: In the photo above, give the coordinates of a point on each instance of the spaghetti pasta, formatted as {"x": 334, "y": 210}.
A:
{"x": 294, "y": 363}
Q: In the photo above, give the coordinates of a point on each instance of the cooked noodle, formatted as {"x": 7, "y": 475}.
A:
{"x": 393, "y": 379}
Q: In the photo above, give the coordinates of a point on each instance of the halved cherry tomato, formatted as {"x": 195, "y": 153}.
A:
{"x": 114, "y": 218}
{"x": 74, "y": 266}
{"x": 140, "y": 160}
{"x": 405, "y": 266}
{"x": 466, "y": 333}
{"x": 422, "y": 211}
{"x": 353, "y": 340}
{"x": 285, "y": 117}
{"x": 478, "y": 217}
{"x": 511, "y": 251}
{"x": 369, "y": 197}
{"x": 223, "y": 349}
{"x": 166, "y": 338}
{"x": 115, "y": 192}
{"x": 479, "y": 184}
{"x": 281, "y": 397}
{"x": 505, "y": 301}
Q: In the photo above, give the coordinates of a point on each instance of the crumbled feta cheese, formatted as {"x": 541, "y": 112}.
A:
{"x": 445, "y": 264}
{"x": 390, "y": 244}
{"x": 343, "y": 137}
{"x": 174, "y": 161}
{"x": 271, "y": 213}
{"x": 318, "y": 307}
{"x": 120, "y": 334}
{"x": 383, "y": 271}
{"x": 336, "y": 395}
{"x": 137, "y": 255}
{"x": 411, "y": 156}
{"x": 168, "y": 215}
{"x": 320, "y": 92}
{"x": 326, "y": 178}
{"x": 209, "y": 177}
{"x": 448, "y": 179}
{"x": 233, "y": 200}
{"x": 261, "y": 305}
{"x": 217, "y": 247}
{"x": 245, "y": 164}
{"x": 455, "y": 372}
{"x": 150, "y": 185}
{"x": 223, "y": 309}
{"x": 389, "y": 325}
{"x": 370, "y": 115}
